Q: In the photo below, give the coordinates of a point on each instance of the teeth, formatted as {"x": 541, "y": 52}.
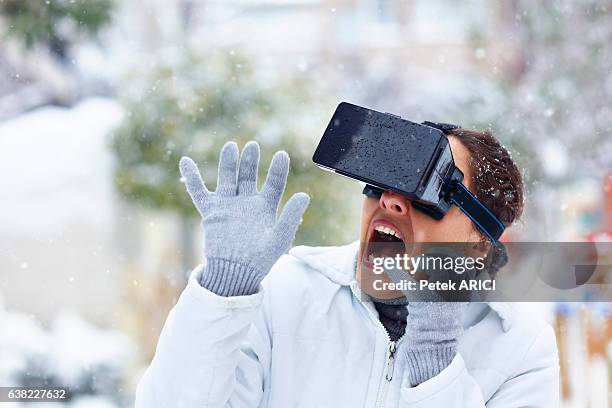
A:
{"x": 388, "y": 231}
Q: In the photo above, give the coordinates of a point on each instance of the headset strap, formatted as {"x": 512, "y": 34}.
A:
{"x": 476, "y": 211}
{"x": 467, "y": 202}
{"x": 444, "y": 127}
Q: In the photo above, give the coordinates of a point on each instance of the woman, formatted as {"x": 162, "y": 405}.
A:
{"x": 314, "y": 332}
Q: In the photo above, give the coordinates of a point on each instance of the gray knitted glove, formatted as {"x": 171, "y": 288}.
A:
{"x": 432, "y": 332}
{"x": 242, "y": 236}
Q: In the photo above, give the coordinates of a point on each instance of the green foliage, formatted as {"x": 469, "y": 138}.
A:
{"x": 193, "y": 106}
{"x": 48, "y": 22}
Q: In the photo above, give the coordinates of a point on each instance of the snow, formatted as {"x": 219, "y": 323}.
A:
{"x": 56, "y": 170}
{"x": 21, "y": 336}
{"x": 554, "y": 158}
{"x": 77, "y": 345}
{"x": 92, "y": 402}
{"x": 59, "y": 211}
{"x": 73, "y": 352}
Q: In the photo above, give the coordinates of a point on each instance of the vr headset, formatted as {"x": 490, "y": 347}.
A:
{"x": 390, "y": 153}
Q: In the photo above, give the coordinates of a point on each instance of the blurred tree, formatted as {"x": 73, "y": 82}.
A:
{"x": 559, "y": 88}
{"x": 193, "y": 105}
{"x": 551, "y": 63}
{"x": 51, "y": 23}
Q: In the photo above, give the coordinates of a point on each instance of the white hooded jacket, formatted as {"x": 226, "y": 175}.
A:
{"x": 306, "y": 339}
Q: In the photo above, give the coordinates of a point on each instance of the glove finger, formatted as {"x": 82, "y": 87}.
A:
{"x": 193, "y": 182}
{"x": 247, "y": 171}
{"x": 290, "y": 218}
{"x": 228, "y": 162}
{"x": 276, "y": 179}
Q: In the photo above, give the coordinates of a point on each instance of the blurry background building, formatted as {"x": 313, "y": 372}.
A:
{"x": 100, "y": 98}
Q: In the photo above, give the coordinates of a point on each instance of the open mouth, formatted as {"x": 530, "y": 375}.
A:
{"x": 384, "y": 240}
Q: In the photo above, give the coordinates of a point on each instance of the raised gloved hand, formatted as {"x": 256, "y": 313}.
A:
{"x": 432, "y": 333}
{"x": 242, "y": 235}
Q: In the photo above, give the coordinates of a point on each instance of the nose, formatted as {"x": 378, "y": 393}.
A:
{"x": 394, "y": 203}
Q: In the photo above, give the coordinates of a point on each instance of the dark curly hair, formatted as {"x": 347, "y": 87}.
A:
{"x": 496, "y": 179}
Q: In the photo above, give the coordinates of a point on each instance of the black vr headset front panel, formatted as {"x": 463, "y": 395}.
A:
{"x": 380, "y": 149}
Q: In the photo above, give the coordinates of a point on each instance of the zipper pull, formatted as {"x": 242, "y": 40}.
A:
{"x": 390, "y": 362}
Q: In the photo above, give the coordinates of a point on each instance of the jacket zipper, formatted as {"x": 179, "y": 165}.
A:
{"x": 390, "y": 360}
{"x": 382, "y": 391}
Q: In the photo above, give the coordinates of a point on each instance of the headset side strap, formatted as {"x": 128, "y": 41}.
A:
{"x": 477, "y": 212}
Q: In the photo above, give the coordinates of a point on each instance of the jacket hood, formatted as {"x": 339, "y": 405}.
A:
{"x": 337, "y": 263}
